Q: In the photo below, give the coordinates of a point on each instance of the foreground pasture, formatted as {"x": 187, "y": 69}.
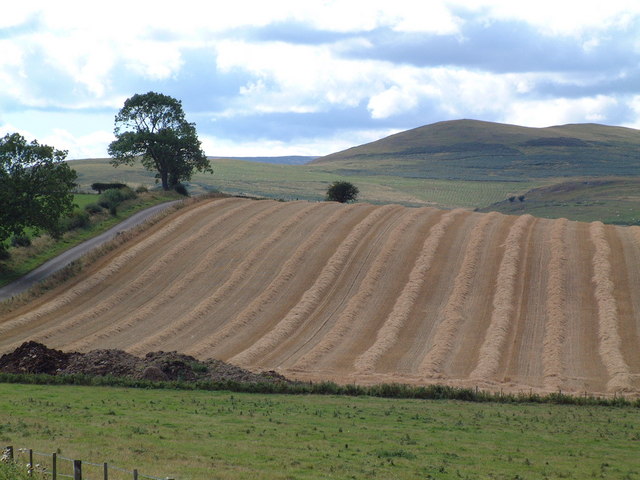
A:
{"x": 222, "y": 435}
{"x": 363, "y": 293}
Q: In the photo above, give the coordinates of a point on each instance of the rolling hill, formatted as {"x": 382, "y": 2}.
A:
{"x": 364, "y": 293}
{"x": 477, "y": 150}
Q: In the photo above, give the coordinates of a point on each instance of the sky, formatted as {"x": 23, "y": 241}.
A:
{"x": 293, "y": 77}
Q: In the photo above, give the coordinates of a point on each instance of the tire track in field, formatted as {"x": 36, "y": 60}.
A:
{"x": 347, "y": 318}
{"x": 238, "y": 275}
{"x": 609, "y": 345}
{"x": 141, "y": 280}
{"x": 148, "y": 309}
{"x": 556, "y": 326}
{"x": 287, "y": 272}
{"x": 312, "y": 297}
{"x": 111, "y": 269}
{"x": 503, "y": 303}
{"x": 453, "y": 312}
{"x": 388, "y": 333}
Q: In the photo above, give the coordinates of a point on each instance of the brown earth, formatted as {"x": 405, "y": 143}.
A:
{"x": 363, "y": 293}
{"x": 33, "y": 357}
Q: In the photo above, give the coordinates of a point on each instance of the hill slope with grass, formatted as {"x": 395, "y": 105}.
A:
{"x": 362, "y": 293}
{"x": 477, "y": 150}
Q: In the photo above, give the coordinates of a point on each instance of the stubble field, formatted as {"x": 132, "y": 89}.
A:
{"x": 366, "y": 294}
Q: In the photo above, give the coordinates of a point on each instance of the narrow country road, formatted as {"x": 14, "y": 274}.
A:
{"x": 65, "y": 258}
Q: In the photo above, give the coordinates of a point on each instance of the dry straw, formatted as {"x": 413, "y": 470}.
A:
{"x": 316, "y": 294}
{"x": 610, "y": 342}
{"x": 503, "y": 302}
{"x": 349, "y": 316}
{"x": 284, "y": 276}
{"x": 556, "y": 325}
{"x": 452, "y": 315}
{"x": 389, "y": 332}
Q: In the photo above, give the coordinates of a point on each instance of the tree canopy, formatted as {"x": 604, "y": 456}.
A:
{"x": 153, "y": 126}
{"x": 35, "y": 186}
{"x": 342, "y": 192}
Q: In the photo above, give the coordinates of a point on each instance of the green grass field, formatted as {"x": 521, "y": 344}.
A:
{"x": 310, "y": 182}
{"x": 610, "y": 200}
{"x": 223, "y": 435}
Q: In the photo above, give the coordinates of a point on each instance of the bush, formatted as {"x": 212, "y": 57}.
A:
{"x": 182, "y": 190}
{"x": 20, "y": 240}
{"x": 101, "y": 187}
{"x": 111, "y": 198}
{"x": 141, "y": 189}
{"x": 92, "y": 208}
{"x": 342, "y": 192}
{"x": 75, "y": 221}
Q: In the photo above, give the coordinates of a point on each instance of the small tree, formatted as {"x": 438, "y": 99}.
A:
{"x": 35, "y": 187}
{"x": 153, "y": 126}
{"x": 342, "y": 192}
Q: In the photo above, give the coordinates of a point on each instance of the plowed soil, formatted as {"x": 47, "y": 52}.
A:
{"x": 363, "y": 293}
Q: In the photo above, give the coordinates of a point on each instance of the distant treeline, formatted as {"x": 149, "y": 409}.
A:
{"x": 101, "y": 187}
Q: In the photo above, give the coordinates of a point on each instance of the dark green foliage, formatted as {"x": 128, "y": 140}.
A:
{"x": 342, "y": 192}
{"x": 76, "y": 221}
{"x": 101, "y": 187}
{"x": 153, "y": 127}
{"x": 110, "y": 199}
{"x": 92, "y": 208}
{"x": 20, "y": 241}
{"x": 35, "y": 187}
{"x": 181, "y": 189}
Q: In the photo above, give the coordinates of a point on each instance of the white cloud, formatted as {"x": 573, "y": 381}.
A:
{"x": 560, "y": 111}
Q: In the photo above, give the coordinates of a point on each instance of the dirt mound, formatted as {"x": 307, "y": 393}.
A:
{"x": 33, "y": 357}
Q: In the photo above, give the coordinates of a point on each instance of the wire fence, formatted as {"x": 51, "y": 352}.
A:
{"x": 58, "y": 467}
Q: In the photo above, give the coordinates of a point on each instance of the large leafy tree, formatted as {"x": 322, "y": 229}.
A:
{"x": 35, "y": 187}
{"x": 152, "y": 126}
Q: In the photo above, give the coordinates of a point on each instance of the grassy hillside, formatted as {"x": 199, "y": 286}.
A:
{"x": 475, "y": 150}
{"x": 610, "y": 200}
{"x": 309, "y": 182}
{"x": 203, "y": 435}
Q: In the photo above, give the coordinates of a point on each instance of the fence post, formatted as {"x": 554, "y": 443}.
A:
{"x": 9, "y": 451}
{"x": 54, "y": 466}
{"x": 77, "y": 470}
{"x": 30, "y": 462}
{"x": 106, "y": 471}
{"x": 135, "y": 474}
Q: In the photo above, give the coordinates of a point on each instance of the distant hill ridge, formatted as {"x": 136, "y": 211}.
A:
{"x": 478, "y": 150}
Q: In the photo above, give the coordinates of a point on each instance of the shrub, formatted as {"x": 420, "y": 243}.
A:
{"x": 113, "y": 197}
{"x": 76, "y": 220}
{"x": 20, "y": 240}
{"x": 182, "y": 190}
{"x": 141, "y": 189}
{"x": 101, "y": 187}
{"x": 342, "y": 192}
{"x": 92, "y": 208}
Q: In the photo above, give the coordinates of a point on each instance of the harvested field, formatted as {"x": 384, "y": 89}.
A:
{"x": 363, "y": 293}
